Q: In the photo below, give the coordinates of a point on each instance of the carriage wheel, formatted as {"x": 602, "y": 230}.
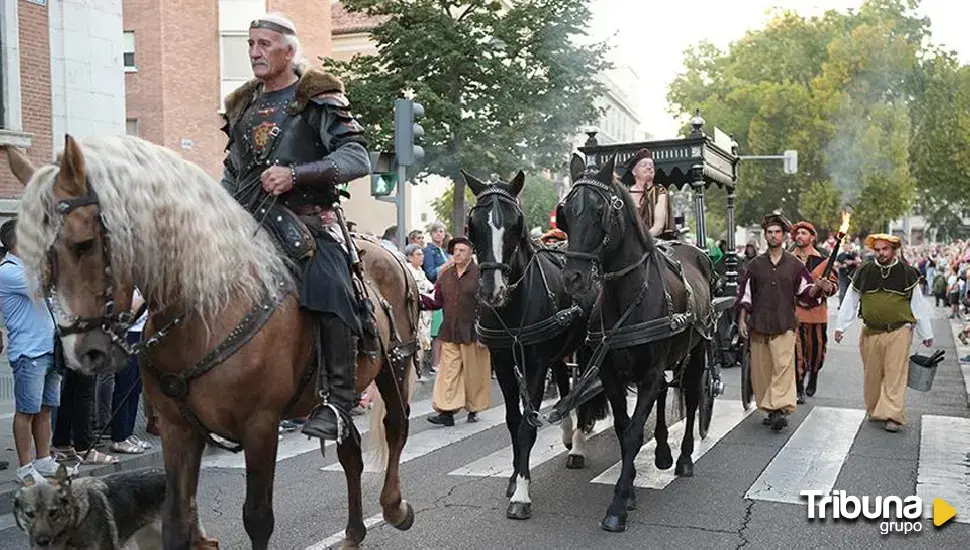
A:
{"x": 746, "y": 391}
{"x": 705, "y": 409}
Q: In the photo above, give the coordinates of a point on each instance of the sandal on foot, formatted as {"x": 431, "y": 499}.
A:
{"x": 66, "y": 454}
{"x": 97, "y": 457}
{"x": 126, "y": 447}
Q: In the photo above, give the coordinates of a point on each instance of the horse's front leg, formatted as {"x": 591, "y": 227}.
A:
{"x": 260, "y": 442}
{"x": 520, "y": 506}
{"x": 663, "y": 460}
{"x": 647, "y": 391}
{"x": 397, "y": 512}
{"x": 513, "y": 415}
{"x": 352, "y": 461}
{"x": 182, "y": 450}
{"x": 691, "y": 386}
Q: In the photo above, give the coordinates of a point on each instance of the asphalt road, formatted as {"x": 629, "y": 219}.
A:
{"x": 736, "y": 499}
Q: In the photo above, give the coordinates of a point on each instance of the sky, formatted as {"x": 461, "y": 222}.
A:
{"x": 651, "y": 35}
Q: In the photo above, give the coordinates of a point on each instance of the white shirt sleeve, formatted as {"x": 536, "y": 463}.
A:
{"x": 921, "y": 311}
{"x": 746, "y": 296}
{"x": 848, "y": 310}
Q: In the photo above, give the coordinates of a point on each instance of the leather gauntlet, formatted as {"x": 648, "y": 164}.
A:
{"x": 320, "y": 174}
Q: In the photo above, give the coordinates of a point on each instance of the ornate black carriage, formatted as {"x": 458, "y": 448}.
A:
{"x": 696, "y": 161}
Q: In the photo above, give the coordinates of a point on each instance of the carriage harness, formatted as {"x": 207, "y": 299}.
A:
{"x": 175, "y": 385}
{"x": 524, "y": 335}
{"x": 621, "y": 336}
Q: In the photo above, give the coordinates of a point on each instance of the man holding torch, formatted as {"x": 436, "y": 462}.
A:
{"x": 767, "y": 295}
{"x": 811, "y": 338}
{"x": 891, "y": 304}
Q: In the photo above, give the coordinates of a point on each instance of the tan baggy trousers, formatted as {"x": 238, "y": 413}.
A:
{"x": 773, "y": 371}
{"x": 885, "y": 364}
{"x": 464, "y": 378}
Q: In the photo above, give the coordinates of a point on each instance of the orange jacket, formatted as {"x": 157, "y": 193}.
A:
{"x": 819, "y": 313}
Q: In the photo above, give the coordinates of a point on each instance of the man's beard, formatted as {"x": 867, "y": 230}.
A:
{"x": 775, "y": 245}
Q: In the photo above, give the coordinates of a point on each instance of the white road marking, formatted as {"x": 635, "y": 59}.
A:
{"x": 430, "y": 441}
{"x": 943, "y": 469}
{"x": 548, "y": 445}
{"x": 727, "y": 415}
{"x": 336, "y": 538}
{"x": 296, "y": 444}
{"x": 811, "y": 459}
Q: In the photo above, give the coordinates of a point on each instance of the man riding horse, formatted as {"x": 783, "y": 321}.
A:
{"x": 292, "y": 140}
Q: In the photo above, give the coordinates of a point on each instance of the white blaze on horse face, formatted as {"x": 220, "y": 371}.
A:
{"x": 498, "y": 238}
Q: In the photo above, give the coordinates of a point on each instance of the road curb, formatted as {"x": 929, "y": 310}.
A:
{"x": 962, "y": 351}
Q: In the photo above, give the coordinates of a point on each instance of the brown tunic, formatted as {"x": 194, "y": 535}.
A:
{"x": 769, "y": 293}
{"x": 648, "y": 203}
{"x": 456, "y": 296}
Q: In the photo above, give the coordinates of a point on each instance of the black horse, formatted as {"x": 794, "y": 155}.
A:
{"x": 530, "y": 324}
{"x": 654, "y": 315}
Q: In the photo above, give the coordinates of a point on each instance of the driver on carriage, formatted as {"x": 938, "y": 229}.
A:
{"x": 292, "y": 140}
{"x": 655, "y": 207}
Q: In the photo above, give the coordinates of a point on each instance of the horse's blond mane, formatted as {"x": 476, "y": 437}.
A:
{"x": 174, "y": 231}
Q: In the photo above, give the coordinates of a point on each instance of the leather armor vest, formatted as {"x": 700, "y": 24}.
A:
{"x": 269, "y": 134}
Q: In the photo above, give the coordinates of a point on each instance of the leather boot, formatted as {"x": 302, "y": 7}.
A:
{"x": 330, "y": 420}
{"x": 370, "y": 343}
{"x": 812, "y": 384}
{"x": 800, "y": 389}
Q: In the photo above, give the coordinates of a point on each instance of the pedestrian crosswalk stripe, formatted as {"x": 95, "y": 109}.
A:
{"x": 727, "y": 415}
{"x": 336, "y": 538}
{"x": 431, "y": 440}
{"x": 943, "y": 469}
{"x": 811, "y": 459}
{"x": 297, "y": 444}
{"x": 548, "y": 445}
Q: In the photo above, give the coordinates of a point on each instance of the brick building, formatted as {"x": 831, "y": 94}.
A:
{"x": 182, "y": 58}
{"x": 60, "y": 72}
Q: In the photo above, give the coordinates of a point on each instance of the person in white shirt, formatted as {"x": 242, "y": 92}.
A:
{"x": 887, "y": 291}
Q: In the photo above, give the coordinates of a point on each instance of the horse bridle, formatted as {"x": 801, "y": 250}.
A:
{"x": 611, "y": 219}
{"x": 503, "y": 196}
{"x": 114, "y": 324}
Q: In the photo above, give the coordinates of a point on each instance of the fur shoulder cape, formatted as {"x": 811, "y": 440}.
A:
{"x": 312, "y": 83}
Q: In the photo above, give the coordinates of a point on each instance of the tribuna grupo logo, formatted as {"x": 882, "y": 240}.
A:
{"x": 898, "y": 514}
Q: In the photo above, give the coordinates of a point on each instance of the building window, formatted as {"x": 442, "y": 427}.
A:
{"x": 235, "y": 57}
{"x": 131, "y": 127}
{"x": 129, "y": 51}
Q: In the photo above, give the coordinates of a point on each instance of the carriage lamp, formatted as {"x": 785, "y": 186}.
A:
{"x": 839, "y": 237}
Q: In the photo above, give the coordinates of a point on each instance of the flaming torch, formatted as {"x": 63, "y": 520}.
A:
{"x": 839, "y": 237}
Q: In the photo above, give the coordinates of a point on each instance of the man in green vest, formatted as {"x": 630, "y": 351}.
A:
{"x": 891, "y": 306}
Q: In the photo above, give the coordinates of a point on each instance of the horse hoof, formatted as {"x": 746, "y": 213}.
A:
{"x": 631, "y": 503}
{"x": 613, "y": 524}
{"x": 519, "y": 510}
{"x": 511, "y": 488}
{"x": 663, "y": 461}
{"x": 575, "y": 462}
{"x": 684, "y": 469}
{"x": 408, "y": 518}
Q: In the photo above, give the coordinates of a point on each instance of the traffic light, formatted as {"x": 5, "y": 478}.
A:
{"x": 406, "y": 131}
{"x": 791, "y": 162}
{"x": 383, "y": 177}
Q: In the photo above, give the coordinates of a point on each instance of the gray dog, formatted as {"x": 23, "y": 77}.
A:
{"x": 95, "y": 513}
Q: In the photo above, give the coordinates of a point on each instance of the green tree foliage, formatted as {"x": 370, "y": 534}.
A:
{"x": 839, "y": 89}
{"x": 503, "y": 88}
{"x": 538, "y": 199}
{"x": 940, "y": 149}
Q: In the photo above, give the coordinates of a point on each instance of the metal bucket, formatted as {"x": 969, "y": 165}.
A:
{"x": 920, "y": 377}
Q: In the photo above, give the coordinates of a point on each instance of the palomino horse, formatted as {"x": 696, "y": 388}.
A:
{"x": 120, "y": 212}
{"x": 529, "y": 323}
{"x": 654, "y": 315}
